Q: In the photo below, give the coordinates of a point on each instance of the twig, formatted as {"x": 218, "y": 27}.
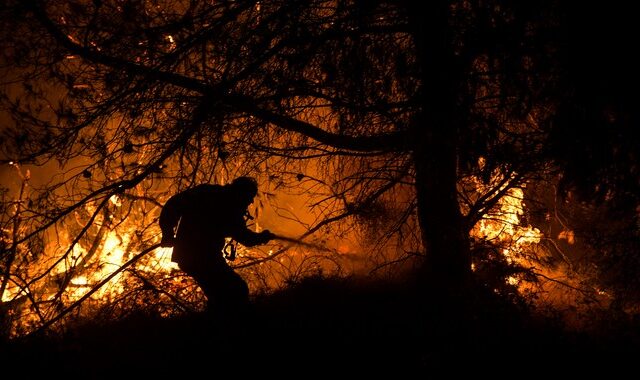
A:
{"x": 95, "y": 288}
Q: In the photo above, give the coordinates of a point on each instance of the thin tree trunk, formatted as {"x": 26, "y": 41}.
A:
{"x": 15, "y": 235}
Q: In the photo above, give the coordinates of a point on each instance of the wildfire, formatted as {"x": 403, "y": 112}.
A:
{"x": 557, "y": 285}
{"x": 501, "y": 225}
{"x": 69, "y": 271}
{"x": 81, "y": 268}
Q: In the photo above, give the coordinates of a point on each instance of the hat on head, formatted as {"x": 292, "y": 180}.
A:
{"x": 246, "y": 185}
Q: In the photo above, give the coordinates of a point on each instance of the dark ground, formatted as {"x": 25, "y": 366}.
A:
{"x": 335, "y": 328}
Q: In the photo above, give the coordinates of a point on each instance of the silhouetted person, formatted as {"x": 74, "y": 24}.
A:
{"x": 196, "y": 222}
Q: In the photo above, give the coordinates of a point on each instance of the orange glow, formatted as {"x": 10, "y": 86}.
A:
{"x": 115, "y": 237}
{"x": 559, "y": 285}
{"x": 501, "y": 225}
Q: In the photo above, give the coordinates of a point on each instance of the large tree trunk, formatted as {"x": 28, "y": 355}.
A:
{"x": 445, "y": 277}
{"x": 444, "y": 236}
{"x": 435, "y": 152}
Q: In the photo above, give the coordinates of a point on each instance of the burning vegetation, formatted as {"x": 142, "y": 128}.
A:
{"x": 105, "y": 262}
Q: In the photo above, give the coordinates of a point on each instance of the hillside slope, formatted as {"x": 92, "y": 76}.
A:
{"x": 328, "y": 327}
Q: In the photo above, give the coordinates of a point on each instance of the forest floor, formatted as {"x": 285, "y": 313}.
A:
{"x": 336, "y": 328}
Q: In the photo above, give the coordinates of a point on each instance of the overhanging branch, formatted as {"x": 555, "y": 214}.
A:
{"x": 238, "y": 103}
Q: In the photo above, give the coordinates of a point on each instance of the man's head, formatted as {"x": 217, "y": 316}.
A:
{"x": 245, "y": 188}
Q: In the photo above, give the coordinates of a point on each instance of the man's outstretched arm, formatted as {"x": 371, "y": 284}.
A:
{"x": 249, "y": 238}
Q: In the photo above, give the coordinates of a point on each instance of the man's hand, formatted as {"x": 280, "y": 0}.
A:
{"x": 266, "y": 236}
